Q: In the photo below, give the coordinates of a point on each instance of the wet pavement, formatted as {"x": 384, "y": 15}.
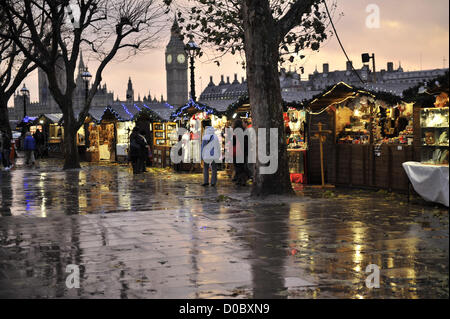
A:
{"x": 162, "y": 235}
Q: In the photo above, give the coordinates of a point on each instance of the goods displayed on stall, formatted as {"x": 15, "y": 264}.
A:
{"x": 164, "y": 134}
{"x": 106, "y": 141}
{"x": 101, "y": 141}
{"x": 164, "y": 137}
{"x": 195, "y": 129}
{"x": 366, "y": 120}
{"x": 295, "y": 124}
{"x": 81, "y": 137}
{"x": 93, "y": 152}
{"x": 124, "y": 130}
{"x": 55, "y": 138}
{"x": 190, "y": 117}
{"x": 434, "y": 124}
{"x": 429, "y": 177}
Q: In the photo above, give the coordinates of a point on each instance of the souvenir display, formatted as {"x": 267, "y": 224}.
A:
{"x": 124, "y": 130}
{"x": 434, "y": 123}
{"x": 363, "y": 119}
{"x": 295, "y": 123}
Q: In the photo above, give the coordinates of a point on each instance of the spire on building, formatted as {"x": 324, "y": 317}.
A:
{"x": 81, "y": 65}
{"x": 175, "y": 29}
{"x": 162, "y": 98}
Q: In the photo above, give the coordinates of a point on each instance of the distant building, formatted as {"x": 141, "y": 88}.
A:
{"x": 293, "y": 88}
{"x": 47, "y": 103}
{"x": 103, "y": 97}
{"x": 390, "y": 80}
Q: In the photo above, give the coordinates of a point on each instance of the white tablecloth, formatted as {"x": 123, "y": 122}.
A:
{"x": 429, "y": 181}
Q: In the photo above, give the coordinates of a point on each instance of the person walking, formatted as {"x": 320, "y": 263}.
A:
{"x": 210, "y": 153}
{"x": 29, "y": 147}
{"x": 144, "y": 151}
{"x": 135, "y": 152}
{"x": 39, "y": 138}
{"x": 6, "y": 150}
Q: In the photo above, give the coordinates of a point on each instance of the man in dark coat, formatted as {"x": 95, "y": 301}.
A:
{"x": 135, "y": 153}
{"x": 5, "y": 150}
{"x": 39, "y": 138}
{"x": 144, "y": 150}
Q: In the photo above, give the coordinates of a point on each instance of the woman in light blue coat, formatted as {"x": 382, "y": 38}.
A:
{"x": 210, "y": 154}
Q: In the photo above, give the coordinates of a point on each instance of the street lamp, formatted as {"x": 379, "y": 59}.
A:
{"x": 25, "y": 93}
{"x": 86, "y": 76}
{"x": 192, "y": 50}
{"x": 365, "y": 59}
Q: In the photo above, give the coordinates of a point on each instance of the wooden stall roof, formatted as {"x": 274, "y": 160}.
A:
{"x": 342, "y": 91}
{"x": 191, "y": 108}
{"x": 26, "y": 121}
{"x": 148, "y": 115}
{"x": 50, "y": 117}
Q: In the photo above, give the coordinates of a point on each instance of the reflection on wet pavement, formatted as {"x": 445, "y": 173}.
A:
{"x": 162, "y": 235}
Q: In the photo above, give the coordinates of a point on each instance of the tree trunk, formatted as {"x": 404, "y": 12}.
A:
{"x": 261, "y": 51}
{"x": 71, "y": 157}
{"x": 4, "y": 117}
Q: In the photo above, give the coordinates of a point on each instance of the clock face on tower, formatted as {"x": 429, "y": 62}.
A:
{"x": 169, "y": 58}
{"x": 181, "y": 58}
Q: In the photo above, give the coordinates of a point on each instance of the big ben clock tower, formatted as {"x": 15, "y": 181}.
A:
{"x": 176, "y": 69}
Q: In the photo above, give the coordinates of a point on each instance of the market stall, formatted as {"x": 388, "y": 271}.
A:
{"x": 430, "y": 176}
{"x": 295, "y": 128}
{"x": 164, "y": 137}
{"x": 108, "y": 138}
{"x": 144, "y": 120}
{"x": 371, "y": 136}
{"x": 191, "y": 116}
{"x": 49, "y": 125}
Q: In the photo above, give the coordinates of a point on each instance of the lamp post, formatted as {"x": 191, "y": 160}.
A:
{"x": 365, "y": 59}
{"x": 192, "y": 50}
{"x": 25, "y": 93}
{"x": 86, "y": 76}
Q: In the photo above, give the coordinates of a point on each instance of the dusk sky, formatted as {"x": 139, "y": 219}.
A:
{"x": 415, "y": 32}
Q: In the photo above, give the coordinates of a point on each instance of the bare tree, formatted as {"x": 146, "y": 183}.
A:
{"x": 106, "y": 27}
{"x": 266, "y": 31}
{"x": 14, "y": 67}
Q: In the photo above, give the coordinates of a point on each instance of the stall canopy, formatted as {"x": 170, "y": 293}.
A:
{"x": 120, "y": 112}
{"x": 95, "y": 114}
{"x": 342, "y": 92}
{"x": 191, "y": 108}
{"x": 26, "y": 121}
{"x": 148, "y": 114}
{"x": 424, "y": 93}
{"x": 242, "y": 104}
{"x": 51, "y": 118}
{"x": 163, "y": 110}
